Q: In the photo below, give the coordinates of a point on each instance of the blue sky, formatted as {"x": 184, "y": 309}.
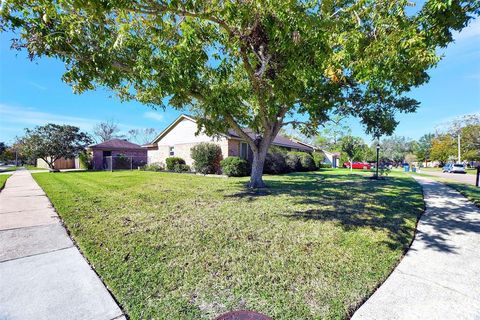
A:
{"x": 32, "y": 93}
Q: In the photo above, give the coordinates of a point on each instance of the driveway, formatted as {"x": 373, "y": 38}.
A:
{"x": 439, "y": 277}
{"x": 463, "y": 178}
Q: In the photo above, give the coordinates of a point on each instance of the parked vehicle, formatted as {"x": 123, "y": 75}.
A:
{"x": 454, "y": 168}
{"x": 358, "y": 165}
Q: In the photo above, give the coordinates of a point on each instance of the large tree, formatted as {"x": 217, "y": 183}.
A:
{"x": 423, "y": 147}
{"x": 246, "y": 64}
{"x": 52, "y": 142}
{"x": 443, "y": 148}
{"x": 353, "y": 148}
{"x": 395, "y": 148}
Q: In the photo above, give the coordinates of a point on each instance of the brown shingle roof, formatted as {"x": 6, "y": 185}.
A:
{"x": 279, "y": 140}
{"x": 116, "y": 144}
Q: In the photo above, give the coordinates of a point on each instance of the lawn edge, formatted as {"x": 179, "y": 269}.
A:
{"x": 62, "y": 222}
{"x": 5, "y": 182}
{"x": 361, "y": 303}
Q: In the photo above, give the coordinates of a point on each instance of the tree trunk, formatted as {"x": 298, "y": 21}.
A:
{"x": 256, "y": 180}
{"x": 351, "y": 165}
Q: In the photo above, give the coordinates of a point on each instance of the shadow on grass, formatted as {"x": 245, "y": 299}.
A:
{"x": 353, "y": 201}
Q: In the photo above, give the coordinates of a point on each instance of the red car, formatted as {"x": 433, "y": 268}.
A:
{"x": 358, "y": 165}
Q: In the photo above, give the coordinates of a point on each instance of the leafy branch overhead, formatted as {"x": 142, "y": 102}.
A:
{"x": 239, "y": 64}
{"x": 246, "y": 60}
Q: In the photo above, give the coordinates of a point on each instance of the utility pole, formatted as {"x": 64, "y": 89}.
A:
{"x": 459, "y": 155}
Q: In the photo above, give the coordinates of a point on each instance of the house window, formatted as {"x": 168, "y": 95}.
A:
{"x": 171, "y": 151}
{"x": 243, "y": 150}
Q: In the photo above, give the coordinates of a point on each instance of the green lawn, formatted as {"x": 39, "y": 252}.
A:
{"x": 3, "y": 178}
{"x": 28, "y": 167}
{"x": 180, "y": 246}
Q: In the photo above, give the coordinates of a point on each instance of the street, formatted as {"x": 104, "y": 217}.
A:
{"x": 463, "y": 178}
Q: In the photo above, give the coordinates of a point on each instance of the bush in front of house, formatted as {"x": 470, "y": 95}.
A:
{"x": 156, "y": 166}
{"x": 234, "y": 167}
{"x": 325, "y": 165}
{"x": 181, "y": 167}
{"x": 85, "y": 160}
{"x": 172, "y": 162}
{"x": 292, "y": 159}
{"x": 206, "y": 158}
{"x": 318, "y": 157}
{"x": 307, "y": 162}
{"x": 275, "y": 163}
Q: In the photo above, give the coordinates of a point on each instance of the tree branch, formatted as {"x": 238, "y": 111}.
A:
{"x": 235, "y": 126}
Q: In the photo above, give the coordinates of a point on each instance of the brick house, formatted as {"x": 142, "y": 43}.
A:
{"x": 180, "y": 136}
{"x": 117, "y": 154}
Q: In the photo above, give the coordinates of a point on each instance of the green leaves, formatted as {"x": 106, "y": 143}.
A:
{"x": 251, "y": 61}
{"x": 52, "y": 141}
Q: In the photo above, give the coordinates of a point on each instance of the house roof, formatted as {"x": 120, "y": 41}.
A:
{"x": 116, "y": 144}
{"x": 279, "y": 140}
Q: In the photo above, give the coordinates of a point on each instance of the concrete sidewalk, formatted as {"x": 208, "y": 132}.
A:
{"x": 42, "y": 274}
{"x": 439, "y": 277}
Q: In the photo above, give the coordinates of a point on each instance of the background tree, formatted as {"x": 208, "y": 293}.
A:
{"x": 332, "y": 132}
{"x": 395, "y": 148}
{"x": 353, "y": 147}
{"x": 52, "y": 141}
{"x": 443, "y": 148}
{"x": 239, "y": 64}
{"x": 410, "y": 158}
{"x": 467, "y": 129}
{"x": 142, "y": 136}
{"x": 107, "y": 130}
{"x": 423, "y": 147}
{"x": 470, "y": 142}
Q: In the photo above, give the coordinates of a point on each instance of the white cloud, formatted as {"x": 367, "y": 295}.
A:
{"x": 14, "y": 119}
{"x": 38, "y": 86}
{"x": 470, "y": 32}
{"x": 29, "y": 116}
{"x": 153, "y": 115}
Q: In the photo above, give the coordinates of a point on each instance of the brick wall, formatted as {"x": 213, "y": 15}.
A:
{"x": 183, "y": 150}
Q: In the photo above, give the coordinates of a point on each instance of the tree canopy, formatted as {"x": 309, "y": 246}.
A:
{"x": 52, "y": 141}
{"x": 239, "y": 64}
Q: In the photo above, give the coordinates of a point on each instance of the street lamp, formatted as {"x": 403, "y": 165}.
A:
{"x": 376, "y": 168}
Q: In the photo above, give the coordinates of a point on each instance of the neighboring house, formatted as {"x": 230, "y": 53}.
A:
{"x": 59, "y": 164}
{"x": 180, "y": 136}
{"x": 332, "y": 158}
{"x": 114, "y": 153}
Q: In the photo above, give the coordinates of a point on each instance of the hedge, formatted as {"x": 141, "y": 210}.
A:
{"x": 234, "y": 167}
{"x": 173, "y": 161}
{"x": 275, "y": 164}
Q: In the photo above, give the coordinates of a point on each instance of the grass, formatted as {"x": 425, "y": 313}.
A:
{"x": 471, "y": 192}
{"x": 179, "y": 246}
{"x": 28, "y": 167}
{"x": 3, "y": 179}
